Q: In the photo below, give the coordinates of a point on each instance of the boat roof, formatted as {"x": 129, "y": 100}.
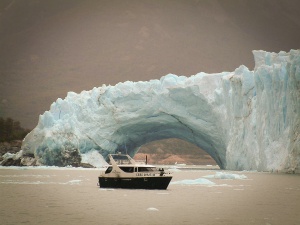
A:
{"x": 125, "y": 160}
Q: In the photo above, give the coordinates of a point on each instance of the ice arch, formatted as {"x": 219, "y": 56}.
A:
{"x": 129, "y": 115}
{"x": 243, "y": 119}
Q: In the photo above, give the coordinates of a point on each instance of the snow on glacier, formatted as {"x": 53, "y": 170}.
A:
{"x": 246, "y": 120}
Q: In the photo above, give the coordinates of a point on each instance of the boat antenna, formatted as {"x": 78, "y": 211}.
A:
{"x": 126, "y": 143}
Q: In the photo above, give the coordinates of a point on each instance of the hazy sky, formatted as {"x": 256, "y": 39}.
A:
{"x": 50, "y": 47}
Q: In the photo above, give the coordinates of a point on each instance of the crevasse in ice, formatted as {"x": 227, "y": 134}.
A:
{"x": 246, "y": 120}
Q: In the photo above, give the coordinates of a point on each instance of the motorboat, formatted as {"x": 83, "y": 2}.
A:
{"x": 125, "y": 172}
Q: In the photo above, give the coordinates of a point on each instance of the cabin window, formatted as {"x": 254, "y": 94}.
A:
{"x": 127, "y": 169}
{"x": 109, "y": 169}
{"x": 146, "y": 169}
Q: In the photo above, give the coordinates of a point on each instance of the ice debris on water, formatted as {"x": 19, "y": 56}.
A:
{"x": 229, "y": 176}
{"x": 194, "y": 182}
{"x": 71, "y": 182}
{"x": 74, "y": 182}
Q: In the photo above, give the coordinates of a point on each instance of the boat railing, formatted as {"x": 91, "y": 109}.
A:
{"x": 141, "y": 162}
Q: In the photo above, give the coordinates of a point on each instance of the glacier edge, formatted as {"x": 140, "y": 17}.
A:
{"x": 246, "y": 120}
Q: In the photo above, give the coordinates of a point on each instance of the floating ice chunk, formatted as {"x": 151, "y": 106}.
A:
{"x": 195, "y": 181}
{"x": 106, "y": 189}
{"x": 74, "y": 182}
{"x": 152, "y": 209}
{"x": 229, "y": 176}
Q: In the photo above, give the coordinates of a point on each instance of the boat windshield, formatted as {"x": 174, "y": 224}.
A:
{"x": 121, "y": 159}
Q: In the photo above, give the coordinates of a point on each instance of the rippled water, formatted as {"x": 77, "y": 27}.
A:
{"x": 71, "y": 196}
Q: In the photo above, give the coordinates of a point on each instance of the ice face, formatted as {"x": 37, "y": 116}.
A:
{"x": 244, "y": 119}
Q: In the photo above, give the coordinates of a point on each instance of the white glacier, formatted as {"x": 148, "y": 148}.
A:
{"x": 93, "y": 158}
{"x": 246, "y": 120}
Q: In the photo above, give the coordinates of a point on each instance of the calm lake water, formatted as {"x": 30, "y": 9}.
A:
{"x": 71, "y": 196}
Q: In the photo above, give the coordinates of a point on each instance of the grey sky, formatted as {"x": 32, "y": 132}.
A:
{"x": 50, "y": 47}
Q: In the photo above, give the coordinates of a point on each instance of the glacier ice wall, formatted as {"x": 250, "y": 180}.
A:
{"x": 244, "y": 119}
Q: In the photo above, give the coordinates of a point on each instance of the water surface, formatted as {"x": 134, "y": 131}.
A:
{"x": 71, "y": 196}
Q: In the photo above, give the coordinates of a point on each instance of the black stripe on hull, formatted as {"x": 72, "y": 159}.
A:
{"x": 135, "y": 183}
